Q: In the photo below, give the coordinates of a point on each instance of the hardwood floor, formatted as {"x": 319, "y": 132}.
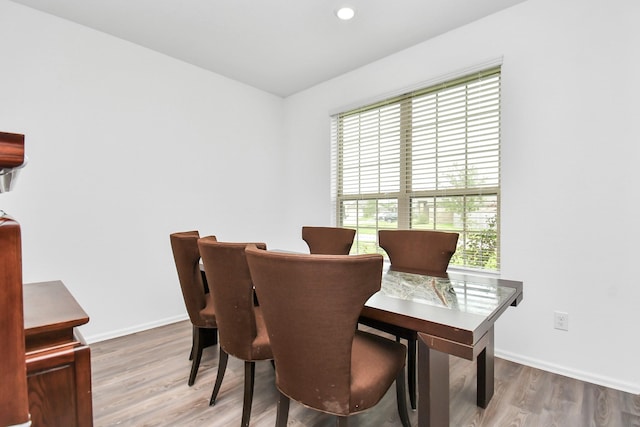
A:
{"x": 141, "y": 380}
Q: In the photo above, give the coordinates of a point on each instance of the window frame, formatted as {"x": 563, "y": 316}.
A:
{"x": 405, "y": 194}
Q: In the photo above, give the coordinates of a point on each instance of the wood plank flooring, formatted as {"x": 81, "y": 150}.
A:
{"x": 141, "y": 380}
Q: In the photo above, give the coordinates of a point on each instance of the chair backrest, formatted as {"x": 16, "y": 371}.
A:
{"x": 311, "y": 305}
{"x": 418, "y": 251}
{"x": 230, "y": 283}
{"x": 187, "y": 258}
{"x": 328, "y": 240}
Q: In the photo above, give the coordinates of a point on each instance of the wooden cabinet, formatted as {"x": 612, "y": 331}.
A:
{"x": 58, "y": 360}
{"x": 14, "y": 404}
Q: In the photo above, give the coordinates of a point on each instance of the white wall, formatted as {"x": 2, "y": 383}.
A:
{"x": 145, "y": 145}
{"x": 569, "y": 153}
{"x": 126, "y": 146}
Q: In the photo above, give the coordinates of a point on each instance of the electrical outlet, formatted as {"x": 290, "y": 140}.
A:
{"x": 561, "y": 320}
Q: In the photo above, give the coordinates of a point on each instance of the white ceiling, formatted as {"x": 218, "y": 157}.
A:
{"x": 280, "y": 46}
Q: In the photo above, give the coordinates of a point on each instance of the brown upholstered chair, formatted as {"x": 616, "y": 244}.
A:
{"x": 199, "y": 304}
{"x": 311, "y": 305}
{"x": 418, "y": 251}
{"x": 240, "y": 324}
{"x": 414, "y": 251}
{"x": 328, "y": 240}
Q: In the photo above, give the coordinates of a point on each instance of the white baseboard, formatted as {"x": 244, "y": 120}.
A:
{"x": 571, "y": 373}
{"x": 517, "y": 358}
{"x": 133, "y": 329}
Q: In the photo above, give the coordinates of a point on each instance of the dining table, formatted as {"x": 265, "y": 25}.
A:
{"x": 453, "y": 314}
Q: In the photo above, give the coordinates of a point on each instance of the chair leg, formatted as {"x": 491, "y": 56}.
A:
{"x": 196, "y": 354}
{"x": 193, "y": 341}
{"x": 222, "y": 367}
{"x": 283, "y": 411}
{"x": 202, "y": 338}
{"x": 249, "y": 375}
{"x": 402, "y": 399}
{"x": 411, "y": 370}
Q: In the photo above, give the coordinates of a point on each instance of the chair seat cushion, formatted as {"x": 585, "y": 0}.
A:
{"x": 375, "y": 362}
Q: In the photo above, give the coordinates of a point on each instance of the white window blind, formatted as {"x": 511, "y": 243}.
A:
{"x": 429, "y": 159}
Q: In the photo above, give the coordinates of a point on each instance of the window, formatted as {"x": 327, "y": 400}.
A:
{"x": 429, "y": 159}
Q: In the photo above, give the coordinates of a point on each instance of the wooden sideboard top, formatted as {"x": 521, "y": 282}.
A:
{"x": 49, "y": 306}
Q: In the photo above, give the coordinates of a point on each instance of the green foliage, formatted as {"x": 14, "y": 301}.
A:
{"x": 463, "y": 178}
{"x": 421, "y": 218}
{"x": 369, "y": 208}
{"x": 480, "y": 250}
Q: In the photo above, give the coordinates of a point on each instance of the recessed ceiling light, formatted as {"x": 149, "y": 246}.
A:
{"x": 345, "y": 13}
